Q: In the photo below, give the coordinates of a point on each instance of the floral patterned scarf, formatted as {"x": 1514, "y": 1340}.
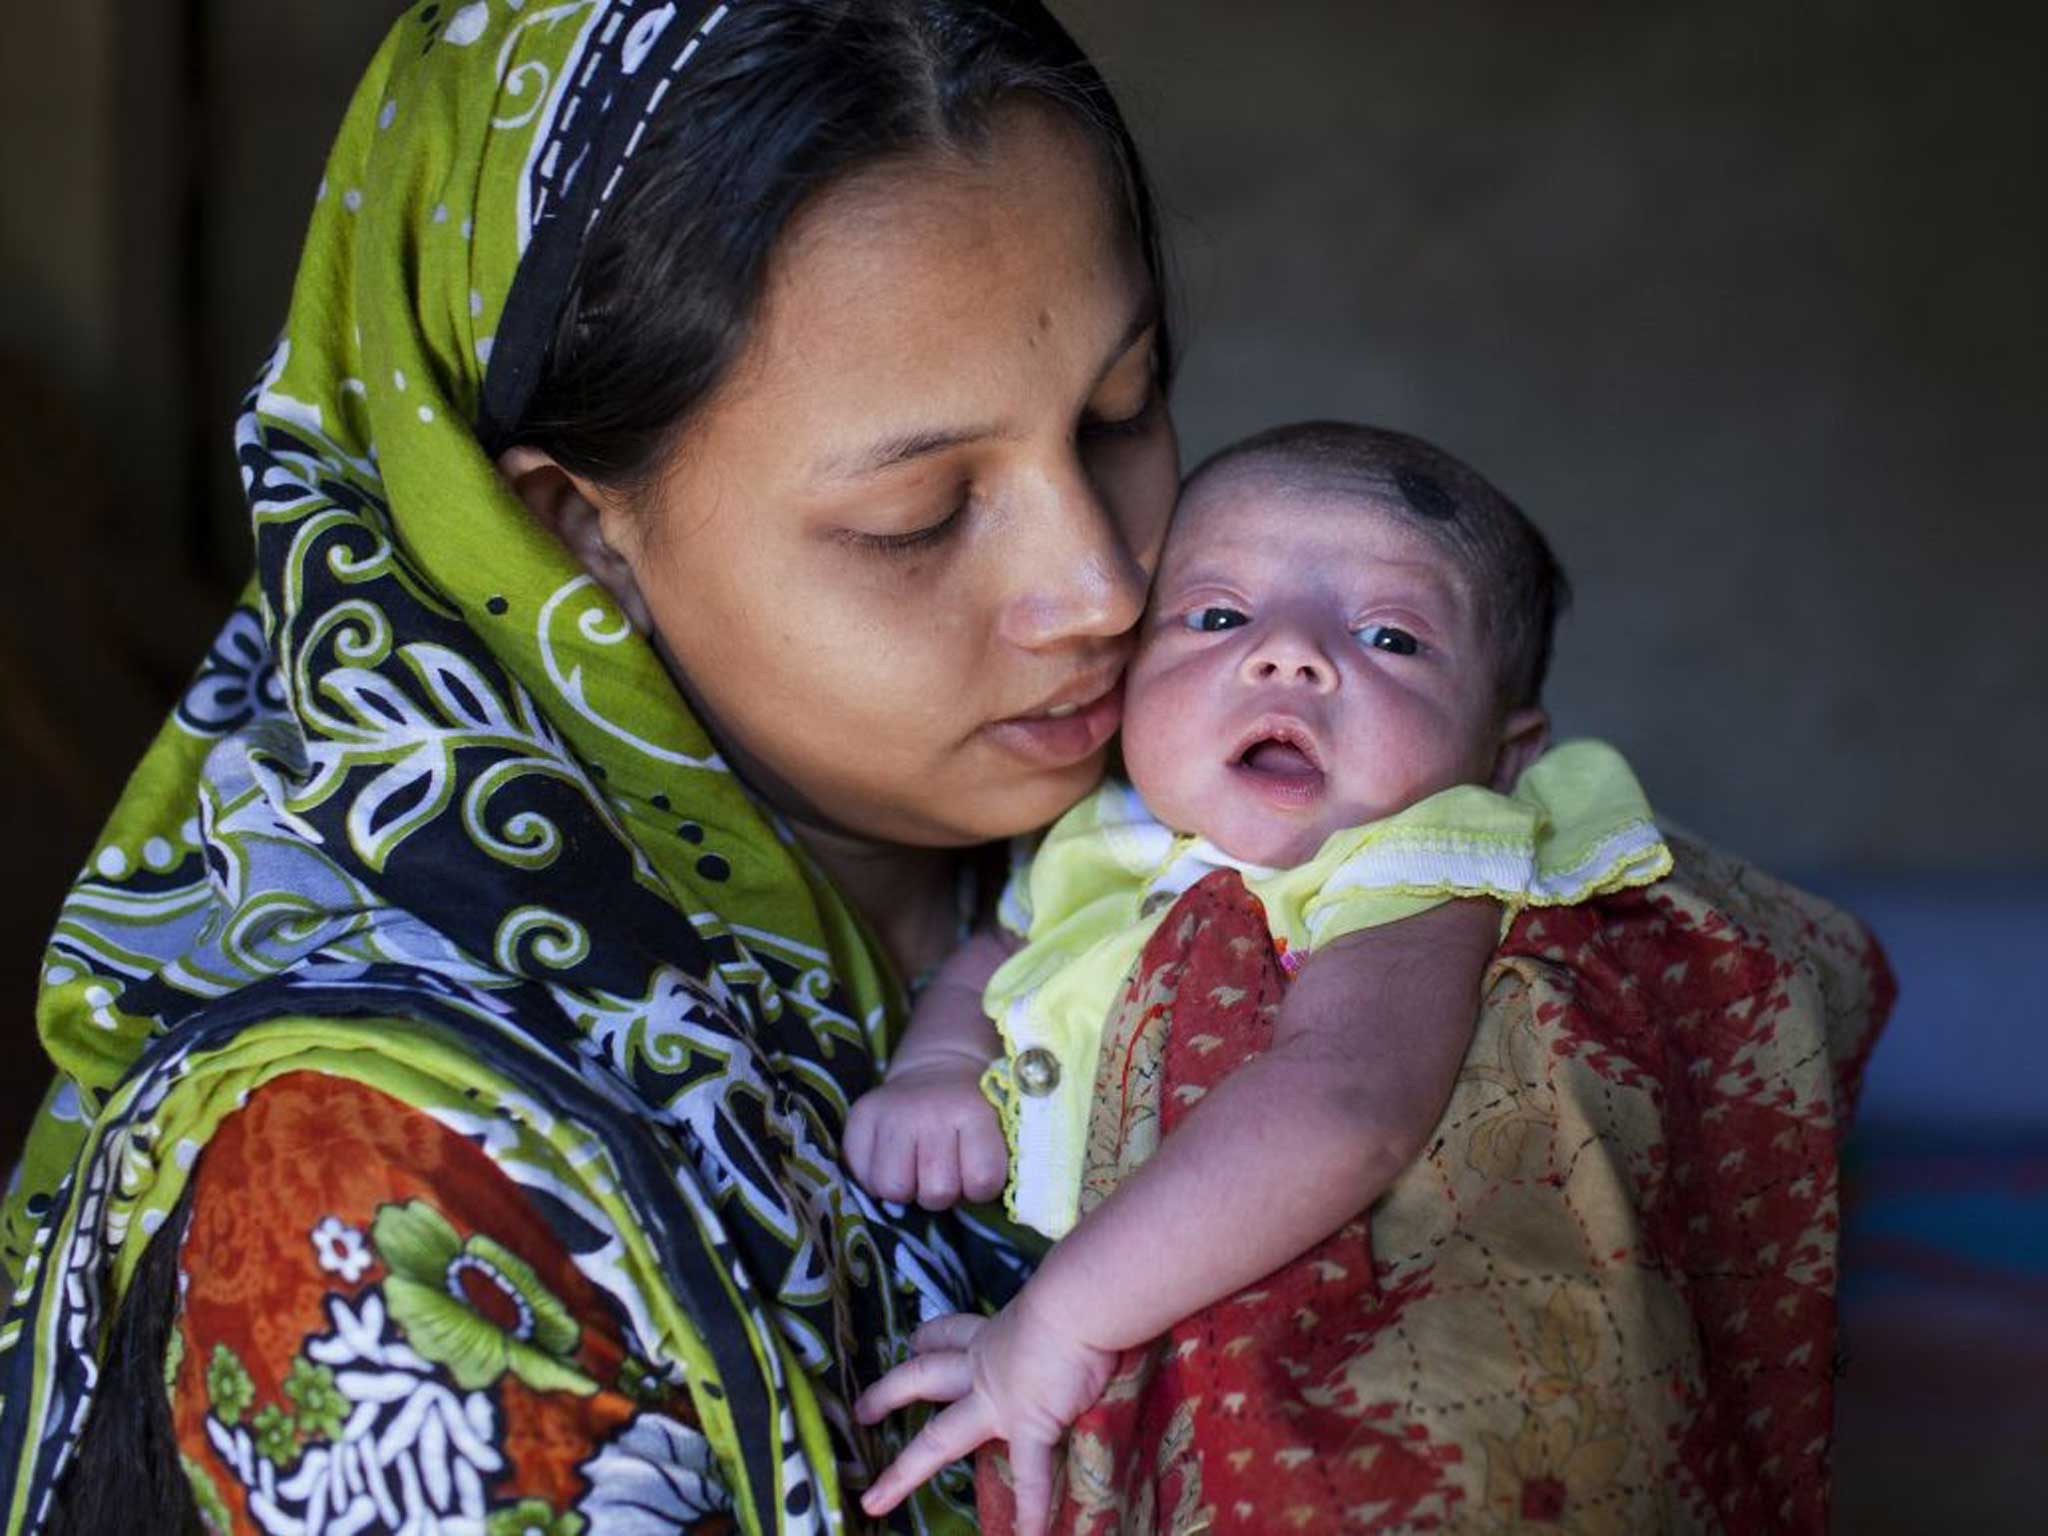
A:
{"x": 433, "y": 817}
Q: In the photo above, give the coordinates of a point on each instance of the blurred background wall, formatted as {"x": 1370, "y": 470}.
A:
{"x": 1743, "y": 301}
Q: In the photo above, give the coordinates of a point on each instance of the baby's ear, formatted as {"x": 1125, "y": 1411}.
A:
{"x": 1523, "y": 736}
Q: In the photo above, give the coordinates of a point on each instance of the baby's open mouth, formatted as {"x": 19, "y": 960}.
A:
{"x": 1281, "y": 758}
{"x": 1277, "y": 757}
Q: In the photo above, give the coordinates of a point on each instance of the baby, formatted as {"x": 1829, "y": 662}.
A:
{"x": 1335, "y": 694}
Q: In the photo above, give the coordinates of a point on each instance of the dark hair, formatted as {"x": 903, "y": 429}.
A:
{"x": 125, "y": 1474}
{"x": 786, "y": 97}
{"x": 1520, "y": 587}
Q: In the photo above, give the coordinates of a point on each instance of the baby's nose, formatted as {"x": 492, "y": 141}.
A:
{"x": 1289, "y": 660}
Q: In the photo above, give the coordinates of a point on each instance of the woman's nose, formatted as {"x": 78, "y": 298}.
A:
{"x": 1288, "y": 657}
{"x": 1081, "y": 578}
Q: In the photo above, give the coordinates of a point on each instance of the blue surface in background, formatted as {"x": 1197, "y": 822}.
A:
{"x": 1966, "y": 1052}
{"x": 1990, "y": 1243}
{"x": 1945, "y": 1177}
{"x": 2004, "y": 1229}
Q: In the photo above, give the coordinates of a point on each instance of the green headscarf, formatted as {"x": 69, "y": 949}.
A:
{"x": 433, "y": 817}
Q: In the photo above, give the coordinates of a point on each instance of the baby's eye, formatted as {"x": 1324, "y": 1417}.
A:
{"x": 1385, "y": 637}
{"x": 1214, "y": 617}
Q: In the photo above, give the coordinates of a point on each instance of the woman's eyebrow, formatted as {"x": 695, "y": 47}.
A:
{"x": 904, "y": 447}
{"x": 901, "y": 448}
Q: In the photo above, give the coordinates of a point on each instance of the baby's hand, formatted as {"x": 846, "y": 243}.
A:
{"x": 1014, "y": 1377}
{"x": 928, "y": 1135}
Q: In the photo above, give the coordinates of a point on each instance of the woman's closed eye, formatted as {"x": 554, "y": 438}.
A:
{"x": 912, "y": 539}
{"x": 1129, "y": 424}
{"x": 1126, "y": 401}
{"x": 1389, "y": 638}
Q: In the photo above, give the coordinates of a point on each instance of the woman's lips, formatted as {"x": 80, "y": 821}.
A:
{"x": 1060, "y": 741}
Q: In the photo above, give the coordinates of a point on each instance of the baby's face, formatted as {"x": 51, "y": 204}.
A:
{"x": 1309, "y": 662}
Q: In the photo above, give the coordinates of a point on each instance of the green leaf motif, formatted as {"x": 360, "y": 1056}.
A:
{"x": 277, "y": 1435}
{"x": 425, "y": 1294}
{"x": 406, "y": 796}
{"x": 414, "y": 1239}
{"x": 174, "y": 1360}
{"x": 229, "y": 1391}
{"x": 534, "y": 1517}
{"x": 322, "y": 1410}
{"x": 213, "y": 1510}
{"x": 554, "y": 1330}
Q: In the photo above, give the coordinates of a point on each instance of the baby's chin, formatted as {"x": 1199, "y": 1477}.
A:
{"x": 1275, "y": 847}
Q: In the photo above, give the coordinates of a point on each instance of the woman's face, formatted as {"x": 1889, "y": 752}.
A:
{"x": 899, "y": 559}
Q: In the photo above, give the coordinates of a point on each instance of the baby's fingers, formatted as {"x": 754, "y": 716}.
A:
{"x": 956, "y": 1330}
{"x": 938, "y": 1168}
{"x": 940, "y": 1377}
{"x": 859, "y": 1144}
{"x": 984, "y": 1158}
{"x": 1031, "y": 1471}
{"x": 892, "y": 1164}
{"x": 948, "y": 1437}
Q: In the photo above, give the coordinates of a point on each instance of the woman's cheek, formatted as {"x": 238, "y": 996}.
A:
{"x": 1138, "y": 480}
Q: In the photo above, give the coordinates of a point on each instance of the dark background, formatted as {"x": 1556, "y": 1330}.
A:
{"x": 1744, "y": 302}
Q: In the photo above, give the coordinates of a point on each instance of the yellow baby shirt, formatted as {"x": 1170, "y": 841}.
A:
{"x": 1577, "y": 825}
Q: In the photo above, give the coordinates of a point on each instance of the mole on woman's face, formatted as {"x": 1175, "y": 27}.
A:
{"x": 899, "y": 558}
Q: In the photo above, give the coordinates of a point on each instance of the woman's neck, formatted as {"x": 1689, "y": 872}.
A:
{"x": 907, "y": 896}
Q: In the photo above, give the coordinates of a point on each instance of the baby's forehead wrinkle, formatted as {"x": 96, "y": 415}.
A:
{"x": 1281, "y": 473}
{"x": 1260, "y": 521}
{"x": 1250, "y": 538}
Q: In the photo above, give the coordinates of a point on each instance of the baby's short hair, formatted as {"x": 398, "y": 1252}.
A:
{"x": 1517, "y": 583}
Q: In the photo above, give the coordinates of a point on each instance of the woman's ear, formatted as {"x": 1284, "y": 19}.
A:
{"x": 1523, "y": 736}
{"x": 589, "y": 521}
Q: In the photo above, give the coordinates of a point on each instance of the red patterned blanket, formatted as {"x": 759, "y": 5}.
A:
{"x": 1603, "y": 1302}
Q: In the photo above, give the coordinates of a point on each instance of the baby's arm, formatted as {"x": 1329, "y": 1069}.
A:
{"x": 1278, "y": 1155}
{"x": 927, "y": 1133}
{"x": 1299, "y": 1139}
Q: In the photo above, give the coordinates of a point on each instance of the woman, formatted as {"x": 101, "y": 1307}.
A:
{"x": 434, "y": 823}
{"x": 707, "y": 480}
